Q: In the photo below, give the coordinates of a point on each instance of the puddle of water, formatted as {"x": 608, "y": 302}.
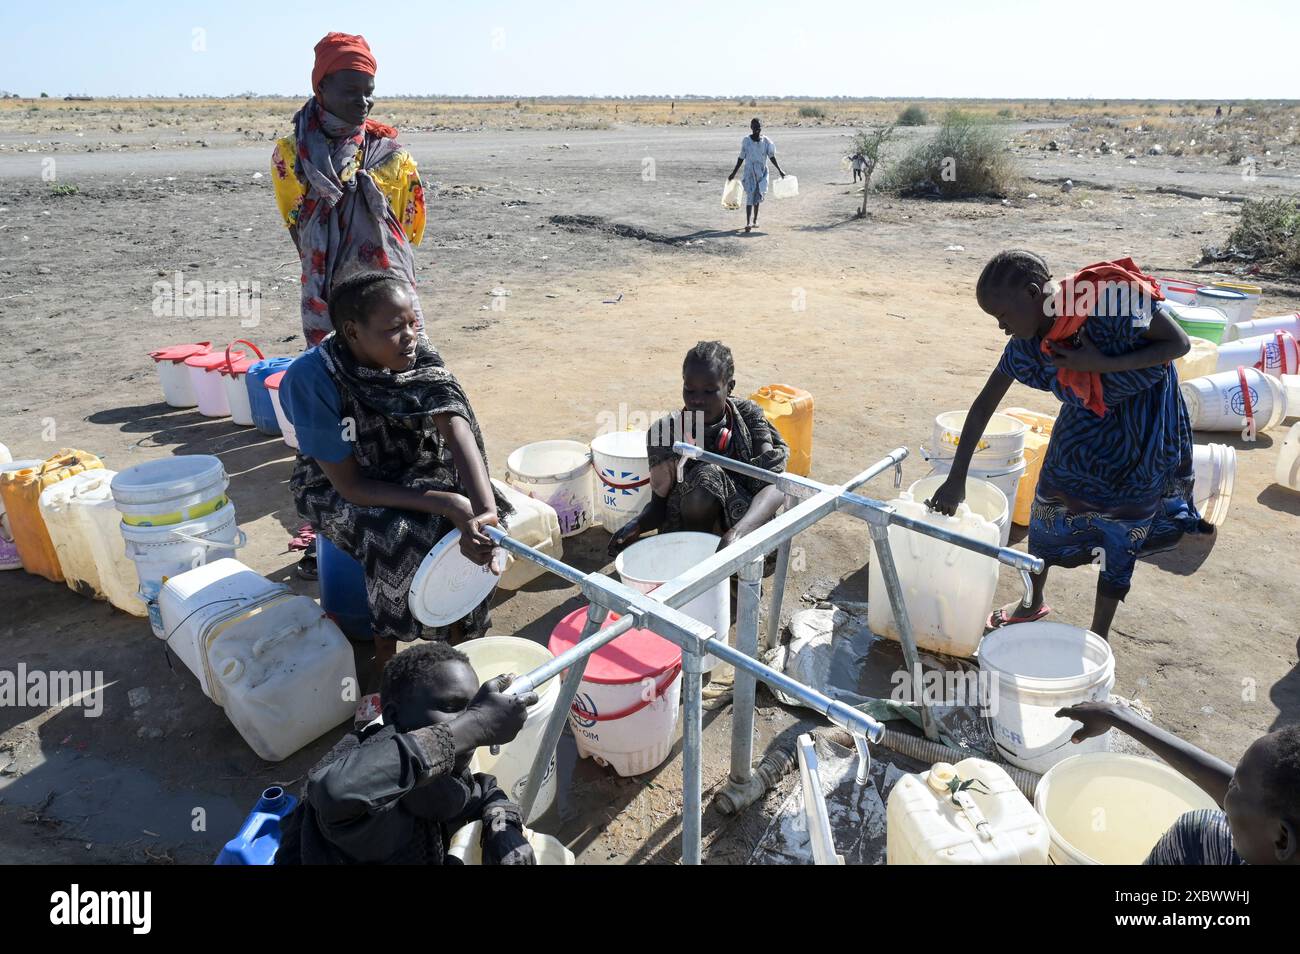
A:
{"x": 106, "y": 803}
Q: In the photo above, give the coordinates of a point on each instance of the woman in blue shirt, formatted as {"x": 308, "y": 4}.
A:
{"x": 390, "y": 456}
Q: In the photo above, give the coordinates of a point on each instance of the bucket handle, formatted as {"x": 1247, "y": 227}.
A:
{"x": 240, "y": 541}
{"x": 660, "y": 689}
{"x": 256, "y": 350}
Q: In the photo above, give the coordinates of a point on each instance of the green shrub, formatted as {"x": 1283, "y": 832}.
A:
{"x": 964, "y": 158}
{"x": 812, "y": 112}
{"x": 1268, "y": 230}
{"x": 913, "y": 116}
{"x": 1006, "y": 113}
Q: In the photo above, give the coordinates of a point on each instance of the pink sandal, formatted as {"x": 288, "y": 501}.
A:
{"x": 999, "y": 618}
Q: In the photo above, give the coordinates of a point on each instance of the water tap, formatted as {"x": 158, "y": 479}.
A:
{"x": 864, "y": 758}
{"x": 898, "y": 474}
{"x": 1028, "y": 599}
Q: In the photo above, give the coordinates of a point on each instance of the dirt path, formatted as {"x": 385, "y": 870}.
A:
{"x": 875, "y": 317}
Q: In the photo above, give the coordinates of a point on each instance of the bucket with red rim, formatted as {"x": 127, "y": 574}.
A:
{"x": 625, "y": 712}
{"x": 286, "y": 426}
{"x": 178, "y": 391}
{"x": 233, "y": 375}
{"x": 205, "y": 371}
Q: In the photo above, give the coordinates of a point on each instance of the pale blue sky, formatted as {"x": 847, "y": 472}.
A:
{"x": 953, "y": 48}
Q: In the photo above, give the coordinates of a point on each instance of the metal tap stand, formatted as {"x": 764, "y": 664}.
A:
{"x": 808, "y": 502}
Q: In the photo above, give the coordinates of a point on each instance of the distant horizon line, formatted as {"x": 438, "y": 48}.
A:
{"x": 666, "y": 97}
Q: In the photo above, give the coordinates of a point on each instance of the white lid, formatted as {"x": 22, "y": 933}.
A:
{"x": 448, "y": 585}
{"x": 169, "y": 478}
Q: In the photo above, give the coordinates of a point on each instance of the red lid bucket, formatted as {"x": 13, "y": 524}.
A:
{"x": 179, "y": 352}
{"x": 636, "y": 655}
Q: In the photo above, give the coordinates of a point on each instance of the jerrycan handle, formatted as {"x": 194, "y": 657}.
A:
{"x": 974, "y": 816}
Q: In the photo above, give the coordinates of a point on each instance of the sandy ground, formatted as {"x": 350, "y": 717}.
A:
{"x": 875, "y": 317}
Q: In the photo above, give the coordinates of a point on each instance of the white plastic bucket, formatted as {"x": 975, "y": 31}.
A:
{"x": 1232, "y": 304}
{"x": 162, "y": 552}
{"x": 649, "y": 563}
{"x": 234, "y": 379}
{"x": 287, "y": 432}
{"x": 1004, "y": 478}
{"x": 493, "y": 656}
{"x": 622, "y": 477}
{"x": 1176, "y": 291}
{"x": 206, "y": 379}
{"x": 170, "y": 490}
{"x": 1291, "y": 384}
{"x": 547, "y": 850}
{"x": 1275, "y": 354}
{"x": 174, "y": 376}
{"x": 624, "y": 714}
{"x": 785, "y": 187}
{"x": 559, "y": 473}
{"x": 982, "y": 496}
{"x": 1038, "y": 668}
{"x": 1215, "y": 472}
{"x": 1230, "y": 400}
{"x": 1288, "y": 459}
{"x": 1105, "y": 808}
{"x": 1252, "y": 293}
{"x": 1001, "y": 444}
{"x": 1264, "y": 326}
{"x": 9, "y": 558}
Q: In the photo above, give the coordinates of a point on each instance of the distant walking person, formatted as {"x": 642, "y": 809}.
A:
{"x": 755, "y": 151}
{"x": 859, "y": 163}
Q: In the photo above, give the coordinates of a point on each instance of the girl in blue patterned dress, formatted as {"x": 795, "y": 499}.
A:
{"x": 1116, "y": 481}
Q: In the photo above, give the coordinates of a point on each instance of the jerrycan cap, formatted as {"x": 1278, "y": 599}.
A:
{"x": 941, "y": 774}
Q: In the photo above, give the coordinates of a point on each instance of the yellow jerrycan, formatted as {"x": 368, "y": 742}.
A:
{"x": 21, "y": 490}
{"x": 790, "y": 410}
{"x": 1036, "y": 440}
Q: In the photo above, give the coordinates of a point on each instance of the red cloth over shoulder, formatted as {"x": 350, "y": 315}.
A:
{"x": 1074, "y": 302}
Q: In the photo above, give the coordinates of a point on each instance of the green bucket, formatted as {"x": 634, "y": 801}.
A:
{"x": 1200, "y": 321}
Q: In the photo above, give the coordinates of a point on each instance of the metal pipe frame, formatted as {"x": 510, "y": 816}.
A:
{"x": 660, "y": 611}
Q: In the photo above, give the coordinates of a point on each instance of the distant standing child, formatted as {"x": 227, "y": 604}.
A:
{"x": 756, "y": 150}
{"x": 1116, "y": 481}
{"x": 859, "y": 163}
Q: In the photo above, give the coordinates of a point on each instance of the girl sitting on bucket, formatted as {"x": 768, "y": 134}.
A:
{"x": 1116, "y": 481}
{"x": 704, "y": 497}
{"x": 390, "y": 456}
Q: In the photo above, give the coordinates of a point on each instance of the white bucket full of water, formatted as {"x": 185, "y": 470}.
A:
{"x": 982, "y": 496}
{"x": 170, "y": 490}
{"x": 1215, "y": 472}
{"x": 622, "y": 477}
{"x": 1137, "y": 799}
{"x": 1275, "y": 354}
{"x": 624, "y": 714}
{"x": 559, "y": 473}
{"x": 785, "y": 187}
{"x": 1233, "y": 400}
{"x": 163, "y": 552}
{"x": 1264, "y": 326}
{"x": 1005, "y": 478}
{"x": 649, "y": 563}
{"x": 493, "y": 656}
{"x": 1039, "y": 668}
{"x": 1288, "y": 459}
{"x": 1001, "y": 444}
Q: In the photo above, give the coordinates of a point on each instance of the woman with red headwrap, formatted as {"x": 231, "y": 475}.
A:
{"x": 349, "y": 193}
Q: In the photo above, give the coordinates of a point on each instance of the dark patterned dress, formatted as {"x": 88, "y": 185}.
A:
{"x": 394, "y": 439}
{"x": 1116, "y": 485}
{"x": 750, "y": 430}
